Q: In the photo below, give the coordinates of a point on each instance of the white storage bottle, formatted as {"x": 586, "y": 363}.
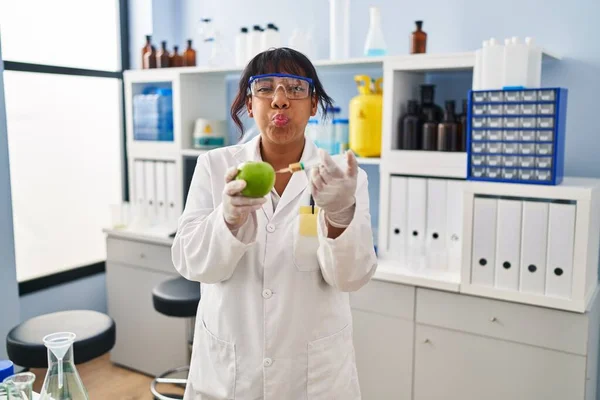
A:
{"x": 339, "y": 29}
{"x": 253, "y": 42}
{"x": 478, "y": 69}
{"x": 241, "y": 40}
{"x": 493, "y": 67}
{"x": 516, "y": 56}
{"x": 534, "y": 64}
{"x": 270, "y": 38}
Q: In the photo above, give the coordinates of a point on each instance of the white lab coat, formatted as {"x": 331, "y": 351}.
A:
{"x": 274, "y": 321}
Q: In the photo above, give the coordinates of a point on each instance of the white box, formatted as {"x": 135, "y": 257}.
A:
{"x": 584, "y": 195}
{"x": 484, "y": 242}
{"x": 508, "y": 244}
{"x": 534, "y": 239}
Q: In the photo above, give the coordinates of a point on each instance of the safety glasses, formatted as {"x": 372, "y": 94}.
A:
{"x": 295, "y": 87}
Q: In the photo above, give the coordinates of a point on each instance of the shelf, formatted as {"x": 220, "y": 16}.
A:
{"x": 425, "y": 163}
{"x": 192, "y": 152}
{"x": 393, "y": 271}
{"x": 368, "y": 161}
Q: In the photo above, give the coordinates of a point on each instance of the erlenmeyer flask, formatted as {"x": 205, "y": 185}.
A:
{"x": 62, "y": 380}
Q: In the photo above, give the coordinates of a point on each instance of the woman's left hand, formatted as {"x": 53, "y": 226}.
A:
{"x": 333, "y": 189}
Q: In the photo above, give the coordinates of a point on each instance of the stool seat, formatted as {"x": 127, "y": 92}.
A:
{"x": 177, "y": 297}
{"x": 95, "y": 336}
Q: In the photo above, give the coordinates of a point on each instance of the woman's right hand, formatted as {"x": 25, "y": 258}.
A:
{"x": 237, "y": 208}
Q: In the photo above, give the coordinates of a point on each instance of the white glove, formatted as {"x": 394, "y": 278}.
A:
{"x": 237, "y": 208}
{"x": 333, "y": 189}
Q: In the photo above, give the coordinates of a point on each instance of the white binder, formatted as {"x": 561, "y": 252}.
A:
{"x": 484, "y": 241}
{"x": 139, "y": 190}
{"x": 435, "y": 232}
{"x": 508, "y": 244}
{"x": 454, "y": 224}
{"x": 150, "y": 185}
{"x": 417, "y": 215}
{"x": 534, "y": 239}
{"x": 173, "y": 206}
{"x": 559, "y": 262}
{"x": 398, "y": 222}
{"x": 161, "y": 190}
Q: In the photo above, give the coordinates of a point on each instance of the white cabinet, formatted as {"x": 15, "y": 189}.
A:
{"x": 147, "y": 341}
{"x": 383, "y": 339}
{"x": 456, "y": 365}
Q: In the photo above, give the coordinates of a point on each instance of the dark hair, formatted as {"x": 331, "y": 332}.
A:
{"x": 272, "y": 61}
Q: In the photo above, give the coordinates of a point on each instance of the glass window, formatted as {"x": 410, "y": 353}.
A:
{"x": 66, "y": 33}
{"x": 64, "y": 136}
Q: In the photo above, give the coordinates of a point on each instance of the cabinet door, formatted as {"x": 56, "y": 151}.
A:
{"x": 456, "y": 365}
{"x": 384, "y": 352}
{"x": 147, "y": 341}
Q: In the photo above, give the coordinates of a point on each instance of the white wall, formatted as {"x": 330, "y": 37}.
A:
{"x": 9, "y": 300}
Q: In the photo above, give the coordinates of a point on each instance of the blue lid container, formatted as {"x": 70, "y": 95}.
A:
{"x": 7, "y": 369}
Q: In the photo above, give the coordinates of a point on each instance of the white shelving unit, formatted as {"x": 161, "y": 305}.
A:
{"x": 199, "y": 92}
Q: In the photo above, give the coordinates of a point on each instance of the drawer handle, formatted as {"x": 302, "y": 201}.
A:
{"x": 493, "y": 319}
{"x": 426, "y": 341}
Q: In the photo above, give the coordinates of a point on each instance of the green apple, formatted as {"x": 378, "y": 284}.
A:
{"x": 259, "y": 177}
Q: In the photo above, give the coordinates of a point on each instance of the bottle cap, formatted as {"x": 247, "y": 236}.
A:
{"x": 419, "y": 24}
{"x": 244, "y": 30}
{"x": 334, "y": 109}
{"x": 7, "y": 369}
{"x": 257, "y": 28}
{"x": 450, "y": 104}
{"x": 189, "y": 41}
{"x": 340, "y": 121}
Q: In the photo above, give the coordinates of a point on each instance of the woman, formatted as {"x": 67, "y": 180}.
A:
{"x": 274, "y": 322}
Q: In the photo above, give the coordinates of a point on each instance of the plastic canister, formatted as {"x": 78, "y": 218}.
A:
{"x": 365, "y": 118}
{"x": 7, "y": 369}
{"x": 209, "y": 134}
{"x": 340, "y": 127}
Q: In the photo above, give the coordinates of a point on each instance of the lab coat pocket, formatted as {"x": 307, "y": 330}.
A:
{"x": 332, "y": 368}
{"x": 306, "y": 240}
{"x": 213, "y": 366}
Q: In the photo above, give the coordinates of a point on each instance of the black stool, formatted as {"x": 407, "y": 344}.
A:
{"x": 95, "y": 335}
{"x": 176, "y": 298}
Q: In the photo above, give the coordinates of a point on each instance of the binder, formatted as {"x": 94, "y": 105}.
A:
{"x": 483, "y": 241}
{"x": 139, "y": 190}
{"x": 417, "y": 215}
{"x": 534, "y": 238}
{"x": 398, "y": 220}
{"x": 559, "y": 261}
{"x": 173, "y": 206}
{"x": 435, "y": 232}
{"x": 454, "y": 224}
{"x": 508, "y": 244}
{"x": 161, "y": 190}
{"x": 150, "y": 185}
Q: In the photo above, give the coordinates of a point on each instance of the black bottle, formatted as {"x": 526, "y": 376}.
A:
{"x": 430, "y": 132}
{"x": 462, "y": 127}
{"x": 428, "y": 101}
{"x": 410, "y": 128}
{"x": 448, "y": 129}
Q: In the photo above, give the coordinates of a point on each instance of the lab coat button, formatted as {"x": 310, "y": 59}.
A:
{"x": 267, "y": 293}
{"x": 267, "y": 362}
{"x": 270, "y": 228}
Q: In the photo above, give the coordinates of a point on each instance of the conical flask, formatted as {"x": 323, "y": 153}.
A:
{"x": 62, "y": 380}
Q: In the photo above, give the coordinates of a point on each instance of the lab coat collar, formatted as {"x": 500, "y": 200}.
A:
{"x": 297, "y": 184}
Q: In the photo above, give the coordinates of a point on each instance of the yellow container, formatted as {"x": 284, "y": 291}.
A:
{"x": 365, "y": 118}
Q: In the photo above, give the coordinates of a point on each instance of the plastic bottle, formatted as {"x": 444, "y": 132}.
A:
{"x": 410, "y": 127}
{"x": 241, "y": 40}
{"x": 175, "y": 59}
{"x": 189, "y": 55}
{"x": 478, "y": 69}
{"x": 299, "y": 42}
{"x": 448, "y": 129}
{"x": 269, "y": 38}
{"x": 340, "y": 127}
{"x": 462, "y": 126}
{"x": 375, "y": 43}
{"x": 428, "y": 101}
{"x": 162, "y": 56}
{"x": 516, "y": 55}
{"x": 430, "y": 131}
{"x": 534, "y": 64}
{"x": 253, "y": 42}
{"x": 418, "y": 40}
{"x": 493, "y": 56}
{"x": 339, "y": 29}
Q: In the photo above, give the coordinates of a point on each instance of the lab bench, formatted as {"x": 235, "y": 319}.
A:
{"x": 412, "y": 342}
